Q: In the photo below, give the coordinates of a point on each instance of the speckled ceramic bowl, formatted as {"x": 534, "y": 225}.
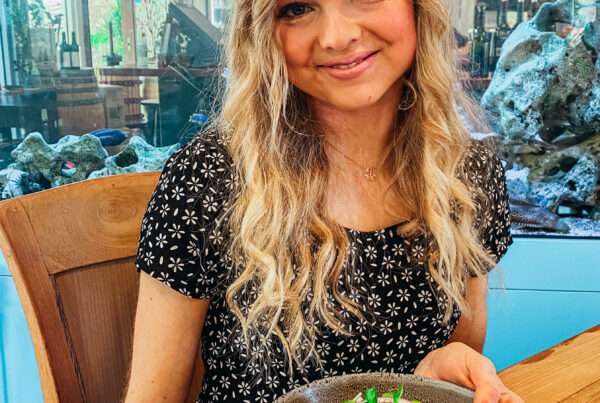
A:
{"x": 339, "y": 388}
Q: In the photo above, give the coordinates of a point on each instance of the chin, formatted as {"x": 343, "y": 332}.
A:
{"x": 354, "y": 102}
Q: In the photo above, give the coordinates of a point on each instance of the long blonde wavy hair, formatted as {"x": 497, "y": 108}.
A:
{"x": 289, "y": 254}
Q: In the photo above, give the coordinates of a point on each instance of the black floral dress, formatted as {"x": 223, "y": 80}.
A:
{"x": 180, "y": 247}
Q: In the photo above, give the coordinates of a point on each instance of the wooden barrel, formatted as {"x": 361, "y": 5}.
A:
{"x": 133, "y": 97}
{"x": 80, "y": 106}
{"x": 114, "y": 105}
{"x": 45, "y": 77}
{"x": 150, "y": 88}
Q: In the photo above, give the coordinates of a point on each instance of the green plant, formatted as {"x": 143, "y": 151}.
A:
{"x": 37, "y": 11}
{"x": 100, "y": 36}
{"x": 151, "y": 16}
{"x": 19, "y": 21}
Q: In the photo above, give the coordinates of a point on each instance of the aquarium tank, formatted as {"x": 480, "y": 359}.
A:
{"x": 533, "y": 67}
{"x": 91, "y": 88}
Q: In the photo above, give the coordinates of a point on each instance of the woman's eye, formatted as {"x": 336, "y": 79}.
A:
{"x": 293, "y": 10}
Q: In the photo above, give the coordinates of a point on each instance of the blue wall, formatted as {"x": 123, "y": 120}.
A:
{"x": 552, "y": 293}
{"x": 19, "y": 382}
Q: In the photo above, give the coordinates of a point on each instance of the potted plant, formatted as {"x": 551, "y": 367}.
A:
{"x": 151, "y": 16}
{"x": 19, "y": 21}
{"x": 44, "y": 36}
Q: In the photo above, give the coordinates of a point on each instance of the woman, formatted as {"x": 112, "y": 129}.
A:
{"x": 336, "y": 218}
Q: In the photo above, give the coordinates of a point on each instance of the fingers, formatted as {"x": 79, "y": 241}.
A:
{"x": 488, "y": 385}
{"x": 490, "y": 394}
{"x": 510, "y": 397}
{"x": 424, "y": 369}
{"x": 492, "y": 390}
{"x": 486, "y": 393}
{"x": 459, "y": 364}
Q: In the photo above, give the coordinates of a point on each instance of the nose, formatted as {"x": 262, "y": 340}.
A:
{"x": 338, "y": 31}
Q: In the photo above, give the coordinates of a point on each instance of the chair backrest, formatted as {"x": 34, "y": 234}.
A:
{"x": 71, "y": 252}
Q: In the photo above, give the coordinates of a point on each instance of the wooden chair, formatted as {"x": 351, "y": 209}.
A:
{"x": 71, "y": 253}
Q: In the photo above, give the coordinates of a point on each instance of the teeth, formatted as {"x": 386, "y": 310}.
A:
{"x": 345, "y": 66}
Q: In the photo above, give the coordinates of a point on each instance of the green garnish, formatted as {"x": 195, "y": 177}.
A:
{"x": 396, "y": 395}
{"x": 352, "y": 400}
{"x": 371, "y": 395}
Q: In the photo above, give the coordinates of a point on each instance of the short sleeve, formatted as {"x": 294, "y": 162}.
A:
{"x": 493, "y": 220}
{"x": 177, "y": 225}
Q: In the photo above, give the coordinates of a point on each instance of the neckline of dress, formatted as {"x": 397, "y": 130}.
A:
{"x": 373, "y": 232}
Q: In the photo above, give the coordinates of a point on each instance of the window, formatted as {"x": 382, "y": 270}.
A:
{"x": 144, "y": 70}
{"x": 220, "y": 12}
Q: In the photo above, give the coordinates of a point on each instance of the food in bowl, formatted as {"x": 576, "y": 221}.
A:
{"x": 370, "y": 396}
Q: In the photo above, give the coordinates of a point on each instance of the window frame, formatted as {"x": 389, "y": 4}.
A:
{"x": 7, "y": 76}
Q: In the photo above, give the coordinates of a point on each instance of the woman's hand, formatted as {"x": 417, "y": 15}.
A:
{"x": 460, "y": 364}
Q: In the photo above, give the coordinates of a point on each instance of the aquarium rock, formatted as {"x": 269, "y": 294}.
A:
{"x": 137, "y": 156}
{"x": 38, "y": 165}
{"x": 35, "y": 156}
{"x": 528, "y": 216}
{"x": 17, "y": 183}
{"x": 517, "y": 182}
{"x": 545, "y": 87}
{"x": 578, "y": 227}
{"x": 551, "y": 13}
{"x": 576, "y": 187}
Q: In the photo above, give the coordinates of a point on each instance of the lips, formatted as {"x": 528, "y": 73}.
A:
{"x": 349, "y": 62}
{"x": 354, "y": 68}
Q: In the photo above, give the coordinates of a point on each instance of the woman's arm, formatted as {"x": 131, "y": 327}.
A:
{"x": 166, "y": 336}
{"x": 472, "y": 330}
{"x": 460, "y": 361}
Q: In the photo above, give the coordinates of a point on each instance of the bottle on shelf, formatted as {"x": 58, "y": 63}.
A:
{"x": 62, "y": 55}
{"x": 498, "y": 16}
{"x": 488, "y": 40}
{"x": 75, "y": 64}
{"x": 478, "y": 35}
{"x": 535, "y": 6}
{"x": 520, "y": 12}
{"x": 503, "y": 30}
{"x": 68, "y": 57}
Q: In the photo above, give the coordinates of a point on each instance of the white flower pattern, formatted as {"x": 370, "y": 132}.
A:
{"x": 180, "y": 247}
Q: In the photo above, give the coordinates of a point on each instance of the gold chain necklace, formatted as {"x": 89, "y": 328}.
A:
{"x": 370, "y": 173}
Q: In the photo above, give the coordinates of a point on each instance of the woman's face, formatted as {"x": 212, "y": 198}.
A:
{"x": 347, "y": 53}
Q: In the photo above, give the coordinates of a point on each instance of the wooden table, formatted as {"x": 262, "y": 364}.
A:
{"x": 568, "y": 372}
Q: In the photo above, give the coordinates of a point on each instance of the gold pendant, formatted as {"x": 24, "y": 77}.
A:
{"x": 370, "y": 173}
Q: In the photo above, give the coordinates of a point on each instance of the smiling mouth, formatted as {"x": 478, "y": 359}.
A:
{"x": 348, "y": 66}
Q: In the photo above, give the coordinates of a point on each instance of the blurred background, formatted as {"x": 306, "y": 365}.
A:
{"x": 113, "y": 69}
{"x": 91, "y": 88}
{"x": 74, "y": 73}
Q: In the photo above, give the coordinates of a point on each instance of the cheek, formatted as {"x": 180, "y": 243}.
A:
{"x": 398, "y": 30}
{"x": 295, "y": 48}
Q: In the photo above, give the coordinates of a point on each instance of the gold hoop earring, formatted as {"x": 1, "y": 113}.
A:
{"x": 404, "y": 104}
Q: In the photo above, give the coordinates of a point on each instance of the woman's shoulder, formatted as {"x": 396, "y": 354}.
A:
{"x": 179, "y": 242}
{"x": 206, "y": 153}
{"x": 201, "y": 166}
{"x": 482, "y": 165}
{"x": 484, "y": 168}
